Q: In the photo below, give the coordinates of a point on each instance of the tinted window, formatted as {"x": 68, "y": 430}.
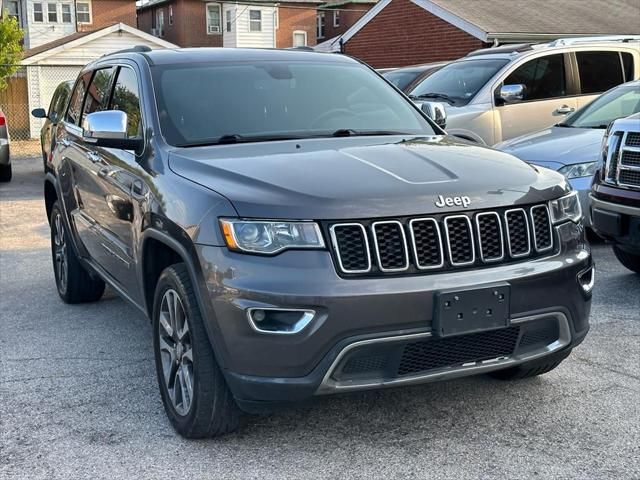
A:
{"x": 75, "y": 105}
{"x": 542, "y": 77}
{"x": 59, "y": 101}
{"x": 617, "y": 103}
{"x": 627, "y": 65}
{"x": 401, "y": 79}
{"x": 599, "y": 71}
{"x": 201, "y": 103}
{"x": 98, "y": 92}
{"x": 460, "y": 81}
{"x": 126, "y": 98}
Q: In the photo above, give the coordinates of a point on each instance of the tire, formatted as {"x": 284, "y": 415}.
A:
{"x": 629, "y": 260}
{"x": 74, "y": 283}
{"x": 203, "y": 406}
{"x": 532, "y": 368}
{"x": 5, "y": 173}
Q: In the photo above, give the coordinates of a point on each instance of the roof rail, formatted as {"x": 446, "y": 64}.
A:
{"x": 604, "y": 38}
{"x": 508, "y": 48}
{"x": 135, "y": 49}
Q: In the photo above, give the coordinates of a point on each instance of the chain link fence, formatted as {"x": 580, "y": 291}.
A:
{"x": 30, "y": 87}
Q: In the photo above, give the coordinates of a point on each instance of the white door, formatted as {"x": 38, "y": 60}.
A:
{"x": 546, "y": 97}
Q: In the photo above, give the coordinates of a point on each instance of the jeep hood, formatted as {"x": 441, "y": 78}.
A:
{"x": 362, "y": 177}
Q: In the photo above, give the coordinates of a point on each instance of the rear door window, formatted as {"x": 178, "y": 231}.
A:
{"x": 98, "y": 92}
{"x": 599, "y": 71}
{"x": 543, "y": 78}
{"x": 627, "y": 66}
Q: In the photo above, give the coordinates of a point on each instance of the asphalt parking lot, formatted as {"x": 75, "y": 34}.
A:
{"x": 79, "y": 398}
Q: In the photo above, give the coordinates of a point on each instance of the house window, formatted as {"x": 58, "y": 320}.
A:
{"x": 52, "y": 13}
{"x": 336, "y": 18}
{"x": 38, "y": 16}
{"x": 229, "y": 19}
{"x": 160, "y": 23}
{"x": 13, "y": 10}
{"x": 170, "y": 14}
{"x": 213, "y": 18}
{"x": 320, "y": 25}
{"x": 255, "y": 20}
{"x": 299, "y": 38}
{"x": 66, "y": 13}
{"x": 83, "y": 12}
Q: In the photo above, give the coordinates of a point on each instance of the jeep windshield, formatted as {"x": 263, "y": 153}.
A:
{"x": 208, "y": 104}
{"x": 458, "y": 82}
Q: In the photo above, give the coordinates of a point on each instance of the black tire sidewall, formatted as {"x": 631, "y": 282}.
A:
{"x": 55, "y": 210}
{"x": 169, "y": 280}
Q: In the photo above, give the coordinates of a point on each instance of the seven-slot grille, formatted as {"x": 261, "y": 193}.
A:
{"x": 623, "y": 159}
{"x": 441, "y": 242}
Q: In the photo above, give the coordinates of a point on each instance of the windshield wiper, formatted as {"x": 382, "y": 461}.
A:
{"x": 350, "y": 132}
{"x": 236, "y": 138}
{"x": 564, "y": 125}
{"x": 441, "y": 96}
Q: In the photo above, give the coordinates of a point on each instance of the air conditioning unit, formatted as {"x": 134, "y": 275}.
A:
{"x": 213, "y": 29}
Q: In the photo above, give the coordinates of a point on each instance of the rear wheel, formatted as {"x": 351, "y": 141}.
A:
{"x": 194, "y": 392}
{"x": 629, "y": 260}
{"x": 532, "y": 368}
{"x": 74, "y": 283}
{"x": 5, "y": 173}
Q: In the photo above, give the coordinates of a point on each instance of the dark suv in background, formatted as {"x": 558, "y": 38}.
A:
{"x": 293, "y": 226}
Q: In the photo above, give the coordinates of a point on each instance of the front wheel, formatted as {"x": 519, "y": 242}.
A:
{"x": 194, "y": 392}
{"x": 629, "y": 260}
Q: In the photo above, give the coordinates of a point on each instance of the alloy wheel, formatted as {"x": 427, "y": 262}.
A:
{"x": 60, "y": 252}
{"x": 176, "y": 352}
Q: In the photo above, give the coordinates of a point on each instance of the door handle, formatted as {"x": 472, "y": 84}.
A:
{"x": 563, "y": 110}
{"x": 94, "y": 157}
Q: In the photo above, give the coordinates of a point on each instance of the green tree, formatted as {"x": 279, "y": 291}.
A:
{"x": 10, "y": 47}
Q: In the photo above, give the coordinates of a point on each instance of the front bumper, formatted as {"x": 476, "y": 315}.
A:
{"x": 617, "y": 221}
{"x": 262, "y": 369}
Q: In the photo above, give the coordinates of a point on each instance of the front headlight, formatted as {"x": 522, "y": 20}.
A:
{"x": 577, "y": 170}
{"x": 566, "y": 208}
{"x": 269, "y": 237}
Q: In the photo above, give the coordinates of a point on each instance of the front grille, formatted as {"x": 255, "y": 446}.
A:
{"x": 630, "y": 158}
{"x": 459, "y": 240}
{"x": 449, "y": 352}
{"x": 441, "y": 242}
{"x": 629, "y": 177}
{"x": 633, "y": 139}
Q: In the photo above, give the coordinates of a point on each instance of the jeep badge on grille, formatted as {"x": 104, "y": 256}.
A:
{"x": 453, "y": 201}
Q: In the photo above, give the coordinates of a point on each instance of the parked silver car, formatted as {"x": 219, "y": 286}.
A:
{"x": 5, "y": 159}
{"x": 500, "y": 93}
{"x": 572, "y": 147}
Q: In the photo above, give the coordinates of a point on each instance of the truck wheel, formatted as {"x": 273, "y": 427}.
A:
{"x": 629, "y": 260}
{"x": 74, "y": 283}
{"x": 532, "y": 368}
{"x": 194, "y": 392}
{"x": 5, "y": 173}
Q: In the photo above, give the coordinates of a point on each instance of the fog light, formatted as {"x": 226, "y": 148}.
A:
{"x": 279, "y": 320}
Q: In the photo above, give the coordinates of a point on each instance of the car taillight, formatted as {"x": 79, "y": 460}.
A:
{"x": 3, "y": 120}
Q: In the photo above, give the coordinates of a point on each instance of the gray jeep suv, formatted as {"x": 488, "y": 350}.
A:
{"x": 293, "y": 227}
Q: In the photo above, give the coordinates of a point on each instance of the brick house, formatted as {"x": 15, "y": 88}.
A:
{"x": 260, "y": 23}
{"x": 45, "y": 21}
{"x": 336, "y": 17}
{"x": 397, "y": 33}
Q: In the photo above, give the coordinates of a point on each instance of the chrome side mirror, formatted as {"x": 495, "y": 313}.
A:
{"x": 109, "y": 129}
{"x": 512, "y": 93}
{"x": 435, "y": 111}
{"x": 109, "y": 124}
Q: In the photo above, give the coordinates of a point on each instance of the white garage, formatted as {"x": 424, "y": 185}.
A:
{"x": 50, "y": 64}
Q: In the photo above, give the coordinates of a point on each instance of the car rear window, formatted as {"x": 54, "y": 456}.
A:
{"x": 599, "y": 71}
{"x": 204, "y": 102}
